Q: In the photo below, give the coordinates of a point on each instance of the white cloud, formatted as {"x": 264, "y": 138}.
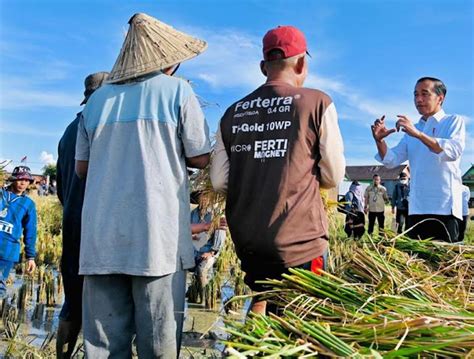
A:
{"x": 7, "y": 126}
{"x": 353, "y": 105}
{"x": 24, "y": 97}
{"x": 230, "y": 61}
{"x": 40, "y": 80}
{"x": 47, "y": 158}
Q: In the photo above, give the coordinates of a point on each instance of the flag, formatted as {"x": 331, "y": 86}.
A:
{"x": 24, "y": 159}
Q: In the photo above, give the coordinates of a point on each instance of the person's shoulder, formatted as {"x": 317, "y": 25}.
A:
{"x": 317, "y": 95}
{"x": 260, "y": 92}
{"x": 173, "y": 87}
{"x": 27, "y": 201}
{"x": 98, "y": 96}
{"x": 242, "y": 104}
{"x": 71, "y": 128}
{"x": 170, "y": 81}
{"x": 453, "y": 118}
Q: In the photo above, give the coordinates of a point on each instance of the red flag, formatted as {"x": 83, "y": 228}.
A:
{"x": 24, "y": 159}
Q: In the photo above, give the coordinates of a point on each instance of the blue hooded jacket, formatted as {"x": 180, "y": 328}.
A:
{"x": 17, "y": 218}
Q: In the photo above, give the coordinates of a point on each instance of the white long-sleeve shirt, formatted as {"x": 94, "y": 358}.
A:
{"x": 435, "y": 185}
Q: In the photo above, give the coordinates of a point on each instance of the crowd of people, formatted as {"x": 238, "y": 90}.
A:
{"x": 374, "y": 201}
{"x": 45, "y": 189}
{"x": 128, "y": 244}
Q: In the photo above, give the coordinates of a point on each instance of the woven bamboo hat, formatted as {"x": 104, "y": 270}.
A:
{"x": 152, "y": 46}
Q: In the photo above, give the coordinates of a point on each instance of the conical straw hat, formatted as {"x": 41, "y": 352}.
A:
{"x": 151, "y": 46}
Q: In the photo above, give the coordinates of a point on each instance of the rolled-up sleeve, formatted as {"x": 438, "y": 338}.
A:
{"x": 453, "y": 145}
{"x": 219, "y": 164}
{"x": 82, "y": 142}
{"x": 194, "y": 132}
{"x": 395, "y": 156}
{"x": 332, "y": 165}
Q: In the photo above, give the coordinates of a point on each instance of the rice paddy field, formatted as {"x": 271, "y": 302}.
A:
{"x": 384, "y": 296}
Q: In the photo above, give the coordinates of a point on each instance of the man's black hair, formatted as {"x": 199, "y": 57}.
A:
{"x": 439, "y": 86}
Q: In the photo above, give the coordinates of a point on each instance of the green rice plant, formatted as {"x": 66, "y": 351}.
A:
{"x": 338, "y": 318}
{"x": 387, "y": 296}
{"x": 49, "y": 237}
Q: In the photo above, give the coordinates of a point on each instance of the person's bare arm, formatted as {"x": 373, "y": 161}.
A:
{"x": 197, "y": 228}
{"x": 220, "y": 165}
{"x": 199, "y": 162}
{"x": 81, "y": 168}
{"x": 332, "y": 165}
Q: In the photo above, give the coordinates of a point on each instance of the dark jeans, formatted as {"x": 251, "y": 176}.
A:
{"x": 401, "y": 219}
{"x": 72, "y": 281}
{"x": 445, "y": 228}
{"x": 72, "y": 307}
{"x": 5, "y": 268}
{"x": 380, "y": 219}
{"x": 462, "y": 227}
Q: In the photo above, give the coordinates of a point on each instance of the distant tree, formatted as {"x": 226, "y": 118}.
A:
{"x": 50, "y": 170}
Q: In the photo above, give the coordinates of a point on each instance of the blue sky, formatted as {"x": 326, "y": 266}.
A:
{"x": 367, "y": 55}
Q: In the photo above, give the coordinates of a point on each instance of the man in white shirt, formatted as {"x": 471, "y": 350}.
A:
{"x": 433, "y": 147}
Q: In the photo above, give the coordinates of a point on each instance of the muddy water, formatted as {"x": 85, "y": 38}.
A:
{"x": 201, "y": 333}
{"x": 36, "y": 330}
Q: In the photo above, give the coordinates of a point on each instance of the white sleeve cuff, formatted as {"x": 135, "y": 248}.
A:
{"x": 389, "y": 159}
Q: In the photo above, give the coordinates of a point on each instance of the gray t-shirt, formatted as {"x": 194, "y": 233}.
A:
{"x": 136, "y": 137}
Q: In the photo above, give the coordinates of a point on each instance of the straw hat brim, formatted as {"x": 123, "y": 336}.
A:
{"x": 152, "y": 46}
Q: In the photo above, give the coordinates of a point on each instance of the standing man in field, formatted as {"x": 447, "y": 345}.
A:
{"x": 70, "y": 190}
{"x": 138, "y": 134}
{"x": 399, "y": 202}
{"x": 433, "y": 146}
{"x": 375, "y": 199}
{"x": 275, "y": 149}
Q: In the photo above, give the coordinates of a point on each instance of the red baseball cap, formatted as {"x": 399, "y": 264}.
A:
{"x": 288, "y": 39}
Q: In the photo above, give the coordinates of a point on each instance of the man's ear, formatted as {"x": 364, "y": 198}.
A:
{"x": 262, "y": 68}
{"x": 300, "y": 64}
{"x": 442, "y": 99}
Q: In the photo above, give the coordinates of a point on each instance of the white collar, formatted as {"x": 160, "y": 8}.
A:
{"x": 438, "y": 116}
